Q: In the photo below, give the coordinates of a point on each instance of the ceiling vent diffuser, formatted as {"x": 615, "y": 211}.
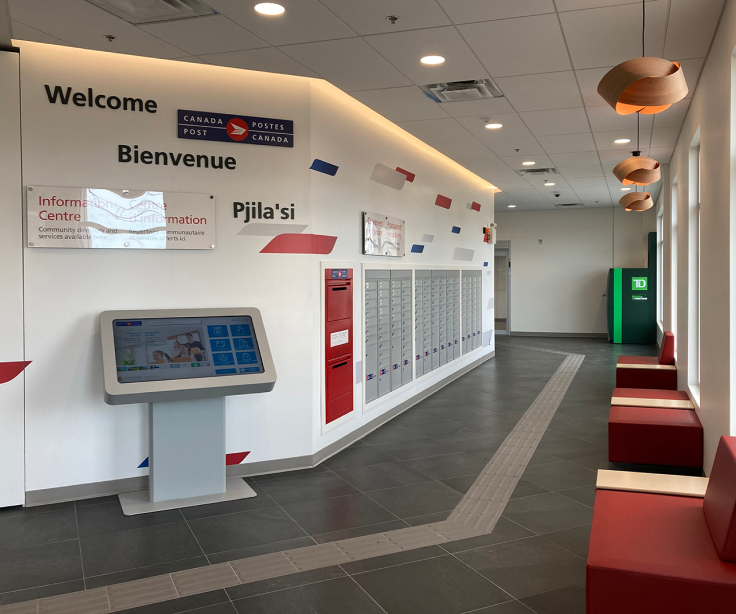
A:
{"x": 151, "y": 11}
{"x": 569, "y": 205}
{"x": 533, "y": 172}
{"x": 463, "y": 91}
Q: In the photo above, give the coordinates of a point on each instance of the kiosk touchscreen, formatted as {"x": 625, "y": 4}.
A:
{"x": 183, "y": 363}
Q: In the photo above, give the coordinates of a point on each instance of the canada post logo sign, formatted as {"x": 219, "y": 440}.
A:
{"x": 204, "y": 126}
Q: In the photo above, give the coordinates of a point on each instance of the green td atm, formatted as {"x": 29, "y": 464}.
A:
{"x": 632, "y": 301}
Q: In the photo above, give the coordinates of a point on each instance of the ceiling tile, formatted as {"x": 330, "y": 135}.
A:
{"x": 575, "y": 159}
{"x": 662, "y": 154}
{"x": 577, "y": 183}
{"x": 304, "y": 21}
{"x": 691, "y": 27}
{"x": 350, "y": 64}
{"x": 405, "y": 49}
{"x": 588, "y": 81}
{"x": 400, "y": 104}
{"x": 605, "y": 119}
{"x": 268, "y": 59}
{"x": 370, "y": 17}
{"x": 665, "y": 137}
{"x": 566, "y": 195}
{"x": 487, "y": 107}
{"x": 692, "y": 69}
{"x": 506, "y": 180}
{"x": 567, "y": 143}
{"x": 204, "y": 35}
{"x": 23, "y": 32}
{"x": 605, "y": 140}
{"x": 672, "y": 117}
{"x": 468, "y": 11}
{"x": 614, "y": 157}
{"x": 521, "y": 46}
{"x": 608, "y": 36}
{"x": 513, "y": 127}
{"x": 573, "y": 172}
{"x": 515, "y": 162}
{"x": 82, "y": 24}
{"x": 576, "y": 5}
{"x": 508, "y": 147}
{"x": 556, "y": 90}
{"x": 479, "y": 166}
{"x": 528, "y": 197}
{"x": 464, "y": 150}
{"x": 557, "y": 121}
{"x": 437, "y": 130}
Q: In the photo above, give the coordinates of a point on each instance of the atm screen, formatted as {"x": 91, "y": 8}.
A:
{"x": 156, "y": 349}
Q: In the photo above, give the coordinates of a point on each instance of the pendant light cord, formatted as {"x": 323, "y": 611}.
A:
{"x": 643, "y": 24}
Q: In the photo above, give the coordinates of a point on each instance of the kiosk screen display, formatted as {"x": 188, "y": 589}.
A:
{"x": 156, "y": 349}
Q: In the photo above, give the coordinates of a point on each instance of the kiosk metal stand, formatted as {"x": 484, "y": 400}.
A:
{"x": 186, "y": 459}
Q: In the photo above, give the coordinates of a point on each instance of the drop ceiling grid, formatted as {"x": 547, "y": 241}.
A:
{"x": 541, "y": 52}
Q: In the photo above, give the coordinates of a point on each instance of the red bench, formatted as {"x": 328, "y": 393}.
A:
{"x": 663, "y": 554}
{"x": 655, "y": 436}
{"x": 647, "y": 397}
{"x": 649, "y": 371}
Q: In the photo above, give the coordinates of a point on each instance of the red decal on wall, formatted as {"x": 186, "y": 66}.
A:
{"x": 475, "y": 206}
{"x": 300, "y": 244}
{"x": 409, "y": 176}
{"x": 443, "y": 201}
{"x": 235, "y": 458}
{"x": 11, "y": 370}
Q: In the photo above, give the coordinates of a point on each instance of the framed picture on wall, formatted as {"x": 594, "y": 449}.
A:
{"x": 383, "y": 235}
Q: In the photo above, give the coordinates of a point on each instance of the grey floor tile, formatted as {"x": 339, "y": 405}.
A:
{"x": 19, "y": 510}
{"x": 461, "y": 484}
{"x": 527, "y": 489}
{"x": 510, "y": 607}
{"x": 341, "y": 596}
{"x": 421, "y": 448}
{"x": 195, "y": 603}
{"x": 96, "y": 501}
{"x": 260, "y": 501}
{"x": 338, "y": 513}
{"x": 575, "y": 540}
{"x": 504, "y": 531}
{"x": 371, "y": 529}
{"x": 285, "y": 582}
{"x": 562, "y": 475}
{"x": 548, "y": 512}
{"x": 440, "y": 585}
{"x": 540, "y": 458}
{"x": 25, "y": 530}
{"x": 40, "y": 592}
{"x": 595, "y": 462}
{"x": 392, "y": 433}
{"x": 139, "y": 573}
{"x": 391, "y": 560}
{"x": 385, "y": 475}
{"x": 307, "y": 488}
{"x": 109, "y": 517}
{"x": 417, "y": 499}
{"x": 527, "y": 567}
{"x": 439, "y": 428}
{"x": 568, "y": 448}
{"x": 357, "y": 457}
{"x": 582, "y": 494}
{"x": 40, "y": 566}
{"x": 567, "y": 600}
{"x": 134, "y": 548}
{"x": 288, "y": 474}
{"x": 416, "y": 521}
{"x": 258, "y": 550}
{"x": 448, "y": 466}
{"x": 232, "y": 531}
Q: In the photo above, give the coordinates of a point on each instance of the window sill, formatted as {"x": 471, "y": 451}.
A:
{"x": 694, "y": 392}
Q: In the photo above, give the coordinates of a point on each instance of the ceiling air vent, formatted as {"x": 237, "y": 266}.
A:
{"x": 569, "y": 205}
{"x": 527, "y": 172}
{"x": 462, "y": 91}
{"x": 151, "y": 11}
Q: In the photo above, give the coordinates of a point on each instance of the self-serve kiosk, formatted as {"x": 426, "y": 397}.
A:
{"x": 183, "y": 363}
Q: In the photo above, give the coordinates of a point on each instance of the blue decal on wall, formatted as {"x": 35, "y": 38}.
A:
{"x": 324, "y": 167}
{"x": 143, "y": 464}
{"x": 485, "y": 264}
{"x": 456, "y": 230}
{"x": 417, "y": 249}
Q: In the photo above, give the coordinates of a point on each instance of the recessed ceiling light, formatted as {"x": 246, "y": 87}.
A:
{"x": 493, "y": 126}
{"x": 529, "y": 163}
{"x": 512, "y": 206}
{"x": 269, "y": 8}
{"x": 625, "y": 189}
{"x": 549, "y": 183}
{"x": 432, "y": 59}
{"x": 622, "y": 141}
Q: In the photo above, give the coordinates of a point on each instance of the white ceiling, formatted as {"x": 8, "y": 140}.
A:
{"x": 547, "y": 56}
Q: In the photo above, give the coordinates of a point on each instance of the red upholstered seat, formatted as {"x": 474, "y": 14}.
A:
{"x": 655, "y": 436}
{"x": 719, "y": 504}
{"x": 653, "y": 554}
{"x": 649, "y": 393}
{"x": 648, "y": 371}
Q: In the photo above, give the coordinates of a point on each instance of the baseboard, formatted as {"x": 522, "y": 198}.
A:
{"x": 515, "y": 333}
{"x": 115, "y": 487}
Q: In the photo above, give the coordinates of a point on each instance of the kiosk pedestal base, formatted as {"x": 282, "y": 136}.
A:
{"x": 186, "y": 458}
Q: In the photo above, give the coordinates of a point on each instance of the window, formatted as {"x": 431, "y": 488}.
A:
{"x": 693, "y": 262}
{"x": 673, "y": 261}
{"x": 660, "y": 267}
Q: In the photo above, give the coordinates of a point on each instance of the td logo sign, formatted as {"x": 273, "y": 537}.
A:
{"x": 638, "y": 283}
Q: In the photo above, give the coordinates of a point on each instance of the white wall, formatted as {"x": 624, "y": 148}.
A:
{"x": 711, "y": 111}
{"x": 72, "y": 437}
{"x": 558, "y": 286}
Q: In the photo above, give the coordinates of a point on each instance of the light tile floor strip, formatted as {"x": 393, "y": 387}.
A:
{"x": 477, "y": 513}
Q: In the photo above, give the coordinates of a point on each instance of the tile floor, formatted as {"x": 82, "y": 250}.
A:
{"x": 411, "y": 471}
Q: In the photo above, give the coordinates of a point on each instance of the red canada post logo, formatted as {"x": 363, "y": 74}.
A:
{"x": 237, "y": 129}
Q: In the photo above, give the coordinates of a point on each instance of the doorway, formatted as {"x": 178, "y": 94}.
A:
{"x": 502, "y": 287}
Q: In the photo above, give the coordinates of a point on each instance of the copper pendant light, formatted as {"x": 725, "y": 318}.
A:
{"x": 638, "y": 170}
{"x": 643, "y": 85}
{"x": 637, "y": 201}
